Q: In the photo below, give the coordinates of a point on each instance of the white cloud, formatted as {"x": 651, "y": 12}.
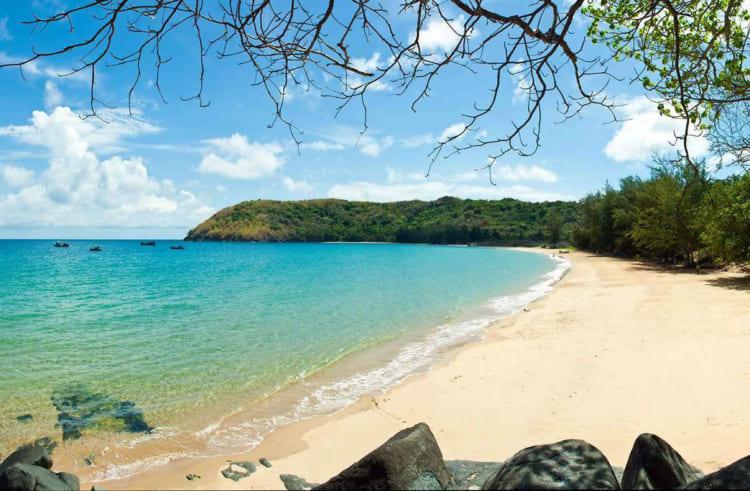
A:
{"x": 646, "y": 132}
{"x": 418, "y": 140}
{"x": 237, "y": 158}
{"x": 79, "y": 189}
{"x": 62, "y": 123}
{"x": 515, "y": 173}
{"x": 16, "y": 177}
{"x": 5, "y": 34}
{"x": 369, "y": 65}
{"x": 322, "y": 145}
{"x": 451, "y": 131}
{"x": 53, "y": 96}
{"x": 433, "y": 189}
{"x": 296, "y": 186}
{"x": 439, "y": 35}
{"x": 342, "y": 137}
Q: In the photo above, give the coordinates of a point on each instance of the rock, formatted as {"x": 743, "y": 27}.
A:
{"x": 733, "y": 476}
{"x": 569, "y": 464}
{"x": 25, "y": 417}
{"x": 409, "y": 459}
{"x": 654, "y": 464}
{"x": 296, "y": 483}
{"x": 238, "y": 470}
{"x": 191, "y": 477}
{"x": 46, "y": 443}
{"x": 97, "y": 488}
{"x": 24, "y": 477}
{"x": 89, "y": 459}
{"x": 70, "y": 480}
{"x": 29, "y": 455}
{"x": 466, "y": 474}
{"x": 264, "y": 462}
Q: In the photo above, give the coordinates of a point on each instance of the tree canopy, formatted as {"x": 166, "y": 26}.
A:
{"x": 690, "y": 55}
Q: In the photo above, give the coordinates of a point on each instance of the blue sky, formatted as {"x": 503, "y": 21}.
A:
{"x": 175, "y": 164}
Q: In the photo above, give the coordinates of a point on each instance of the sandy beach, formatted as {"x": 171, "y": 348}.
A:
{"x": 618, "y": 348}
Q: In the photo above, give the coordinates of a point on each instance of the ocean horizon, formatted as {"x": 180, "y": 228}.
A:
{"x": 205, "y": 350}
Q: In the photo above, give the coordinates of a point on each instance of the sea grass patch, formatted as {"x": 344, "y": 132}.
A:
{"x": 79, "y": 408}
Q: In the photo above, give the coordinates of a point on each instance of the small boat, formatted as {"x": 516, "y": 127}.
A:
{"x": 95, "y": 249}
{"x": 61, "y": 244}
{"x": 148, "y": 243}
{"x": 176, "y": 248}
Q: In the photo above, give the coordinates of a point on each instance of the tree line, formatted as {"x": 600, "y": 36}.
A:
{"x": 676, "y": 215}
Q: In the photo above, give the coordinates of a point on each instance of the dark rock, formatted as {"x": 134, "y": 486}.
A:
{"x": 24, "y": 477}
{"x": 296, "y": 483}
{"x": 264, "y": 462}
{"x": 46, "y": 443}
{"x": 733, "y": 476}
{"x": 408, "y": 459}
{"x": 97, "y": 488}
{"x": 25, "y": 417}
{"x": 191, "y": 477}
{"x": 467, "y": 474}
{"x": 29, "y": 455}
{"x": 654, "y": 464}
{"x": 89, "y": 459}
{"x": 238, "y": 470}
{"x": 70, "y": 480}
{"x": 569, "y": 464}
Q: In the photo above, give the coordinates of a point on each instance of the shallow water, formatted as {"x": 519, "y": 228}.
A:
{"x": 170, "y": 336}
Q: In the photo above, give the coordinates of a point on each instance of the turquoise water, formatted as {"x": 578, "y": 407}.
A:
{"x": 225, "y": 324}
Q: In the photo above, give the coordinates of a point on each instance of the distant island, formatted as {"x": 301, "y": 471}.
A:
{"x": 446, "y": 220}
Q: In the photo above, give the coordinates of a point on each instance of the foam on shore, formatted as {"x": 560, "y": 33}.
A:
{"x": 331, "y": 396}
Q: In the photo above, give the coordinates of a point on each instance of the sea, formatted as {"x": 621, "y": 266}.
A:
{"x": 135, "y": 355}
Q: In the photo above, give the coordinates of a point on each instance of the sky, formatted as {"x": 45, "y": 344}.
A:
{"x": 169, "y": 166}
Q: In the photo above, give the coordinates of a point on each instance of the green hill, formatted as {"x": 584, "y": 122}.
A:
{"x": 443, "y": 221}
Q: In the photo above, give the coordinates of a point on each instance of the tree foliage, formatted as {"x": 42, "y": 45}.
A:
{"x": 673, "y": 217}
{"x": 444, "y": 221}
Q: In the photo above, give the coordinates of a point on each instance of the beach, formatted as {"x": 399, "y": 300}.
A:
{"x": 618, "y": 348}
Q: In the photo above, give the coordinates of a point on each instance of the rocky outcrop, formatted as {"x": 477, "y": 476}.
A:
{"x": 654, "y": 464}
{"x": 28, "y": 468}
{"x": 28, "y": 455}
{"x": 569, "y": 464}
{"x": 733, "y": 476}
{"x": 411, "y": 459}
{"x": 25, "y": 477}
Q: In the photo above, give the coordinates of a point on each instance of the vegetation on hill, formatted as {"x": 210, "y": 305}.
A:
{"x": 676, "y": 215}
{"x": 443, "y": 221}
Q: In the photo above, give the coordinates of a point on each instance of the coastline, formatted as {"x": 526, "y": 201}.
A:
{"x": 583, "y": 362}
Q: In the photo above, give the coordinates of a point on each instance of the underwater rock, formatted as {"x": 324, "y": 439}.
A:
{"x": 25, "y": 417}
{"x": 79, "y": 408}
{"x": 265, "y": 462}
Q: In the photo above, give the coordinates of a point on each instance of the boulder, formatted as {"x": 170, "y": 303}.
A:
{"x": 24, "y": 477}
{"x": 411, "y": 459}
{"x": 733, "y": 476}
{"x": 654, "y": 464}
{"x": 29, "y": 455}
{"x": 569, "y": 464}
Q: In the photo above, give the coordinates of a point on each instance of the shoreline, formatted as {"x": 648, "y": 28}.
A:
{"x": 500, "y": 307}
{"x": 584, "y": 362}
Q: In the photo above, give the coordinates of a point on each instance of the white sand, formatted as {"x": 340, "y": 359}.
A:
{"x": 618, "y": 349}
